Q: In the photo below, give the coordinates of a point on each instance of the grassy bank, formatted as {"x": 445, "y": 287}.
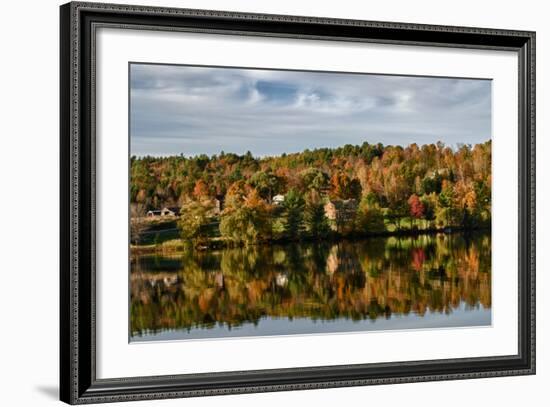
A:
{"x": 175, "y": 245}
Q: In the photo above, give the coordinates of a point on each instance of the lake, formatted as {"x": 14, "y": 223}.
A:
{"x": 428, "y": 281}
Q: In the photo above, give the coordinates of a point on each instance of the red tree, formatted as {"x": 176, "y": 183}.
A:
{"x": 416, "y": 207}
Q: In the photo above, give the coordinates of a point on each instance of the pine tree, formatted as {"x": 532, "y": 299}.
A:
{"x": 294, "y": 211}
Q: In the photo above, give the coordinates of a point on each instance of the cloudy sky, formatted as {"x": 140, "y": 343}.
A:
{"x": 195, "y": 110}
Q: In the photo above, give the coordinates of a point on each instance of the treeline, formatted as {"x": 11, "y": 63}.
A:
{"x": 373, "y": 188}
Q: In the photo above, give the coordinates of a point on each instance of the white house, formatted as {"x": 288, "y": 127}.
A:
{"x": 278, "y": 199}
{"x": 172, "y": 211}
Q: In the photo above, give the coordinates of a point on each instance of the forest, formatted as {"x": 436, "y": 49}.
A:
{"x": 320, "y": 194}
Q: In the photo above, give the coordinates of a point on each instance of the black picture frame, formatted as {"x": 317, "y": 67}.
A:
{"x": 78, "y": 382}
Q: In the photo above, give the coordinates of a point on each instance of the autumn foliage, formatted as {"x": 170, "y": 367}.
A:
{"x": 387, "y": 188}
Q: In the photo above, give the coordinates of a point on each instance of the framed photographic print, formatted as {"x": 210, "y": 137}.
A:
{"x": 256, "y": 203}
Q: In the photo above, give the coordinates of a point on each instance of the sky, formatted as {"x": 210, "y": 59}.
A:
{"x": 191, "y": 110}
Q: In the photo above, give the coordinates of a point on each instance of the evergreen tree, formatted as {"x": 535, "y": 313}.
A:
{"x": 294, "y": 213}
{"x": 315, "y": 219}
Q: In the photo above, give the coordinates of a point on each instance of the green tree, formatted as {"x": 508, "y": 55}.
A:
{"x": 445, "y": 214}
{"x": 430, "y": 204}
{"x": 266, "y": 183}
{"x": 369, "y": 218}
{"x": 314, "y": 178}
{"x": 294, "y": 210}
{"x": 246, "y": 221}
{"x": 482, "y": 210}
{"x": 239, "y": 226}
{"x": 315, "y": 219}
{"x": 432, "y": 183}
{"x": 194, "y": 217}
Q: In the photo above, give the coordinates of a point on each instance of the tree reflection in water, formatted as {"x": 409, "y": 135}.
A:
{"x": 354, "y": 280}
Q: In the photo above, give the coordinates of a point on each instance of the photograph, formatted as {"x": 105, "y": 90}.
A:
{"x": 268, "y": 202}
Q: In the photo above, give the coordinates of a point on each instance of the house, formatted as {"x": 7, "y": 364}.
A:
{"x": 156, "y": 213}
{"x": 340, "y": 212}
{"x": 278, "y": 199}
{"x": 219, "y": 202}
{"x": 281, "y": 279}
{"x": 172, "y": 211}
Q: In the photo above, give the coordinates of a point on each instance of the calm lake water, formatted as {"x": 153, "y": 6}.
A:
{"x": 430, "y": 281}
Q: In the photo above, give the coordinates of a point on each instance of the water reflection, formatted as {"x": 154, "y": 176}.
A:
{"x": 313, "y": 287}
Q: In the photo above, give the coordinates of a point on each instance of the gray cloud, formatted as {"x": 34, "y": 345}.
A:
{"x": 195, "y": 110}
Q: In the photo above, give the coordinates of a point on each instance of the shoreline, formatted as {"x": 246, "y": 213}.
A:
{"x": 177, "y": 245}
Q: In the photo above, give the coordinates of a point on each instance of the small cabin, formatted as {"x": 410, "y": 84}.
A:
{"x": 278, "y": 199}
{"x": 171, "y": 211}
{"x": 340, "y": 212}
{"x": 157, "y": 213}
